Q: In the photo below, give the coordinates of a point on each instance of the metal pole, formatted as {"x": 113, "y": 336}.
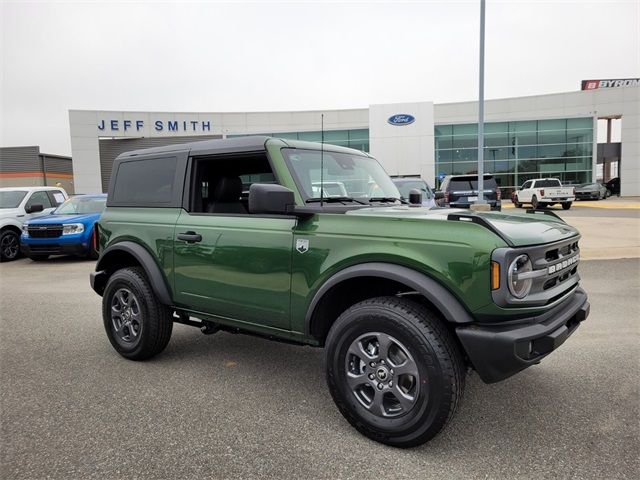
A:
{"x": 481, "y": 111}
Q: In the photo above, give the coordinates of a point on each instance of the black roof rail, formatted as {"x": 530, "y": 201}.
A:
{"x": 477, "y": 219}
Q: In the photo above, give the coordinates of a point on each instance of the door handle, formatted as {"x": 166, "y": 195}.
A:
{"x": 190, "y": 237}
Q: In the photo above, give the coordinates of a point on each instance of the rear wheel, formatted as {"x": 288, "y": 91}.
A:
{"x": 137, "y": 324}
{"x": 9, "y": 246}
{"x": 566, "y": 205}
{"x": 394, "y": 371}
{"x": 534, "y": 202}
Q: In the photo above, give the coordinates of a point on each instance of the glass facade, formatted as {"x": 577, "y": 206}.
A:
{"x": 518, "y": 151}
{"x": 358, "y": 139}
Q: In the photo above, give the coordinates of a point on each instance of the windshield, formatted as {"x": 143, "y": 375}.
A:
{"x": 406, "y": 186}
{"x": 12, "y": 198}
{"x": 344, "y": 175}
{"x": 81, "y": 205}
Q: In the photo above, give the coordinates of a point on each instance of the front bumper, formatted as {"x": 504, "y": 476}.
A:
{"x": 53, "y": 249}
{"x": 499, "y": 351}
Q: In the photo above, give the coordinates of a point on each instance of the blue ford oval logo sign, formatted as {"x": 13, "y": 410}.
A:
{"x": 401, "y": 119}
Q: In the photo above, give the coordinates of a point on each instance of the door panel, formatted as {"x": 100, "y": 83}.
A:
{"x": 240, "y": 268}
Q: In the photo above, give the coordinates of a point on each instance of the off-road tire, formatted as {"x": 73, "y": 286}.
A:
{"x": 566, "y": 205}
{"x": 437, "y": 356}
{"x": 156, "y": 319}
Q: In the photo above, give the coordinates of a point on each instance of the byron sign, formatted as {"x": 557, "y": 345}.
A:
{"x": 610, "y": 83}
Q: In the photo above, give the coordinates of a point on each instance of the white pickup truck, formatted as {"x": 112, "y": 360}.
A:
{"x": 19, "y": 204}
{"x": 544, "y": 192}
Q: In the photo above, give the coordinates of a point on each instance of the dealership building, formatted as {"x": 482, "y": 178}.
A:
{"x": 525, "y": 137}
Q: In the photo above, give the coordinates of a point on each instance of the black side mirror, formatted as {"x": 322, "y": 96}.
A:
{"x": 35, "y": 208}
{"x": 415, "y": 197}
{"x": 270, "y": 199}
{"x": 438, "y": 195}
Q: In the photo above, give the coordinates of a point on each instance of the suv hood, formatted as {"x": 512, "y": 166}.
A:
{"x": 520, "y": 229}
{"x": 53, "y": 219}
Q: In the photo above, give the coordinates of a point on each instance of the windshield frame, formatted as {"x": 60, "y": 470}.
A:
{"x": 24, "y": 194}
{"x": 357, "y": 200}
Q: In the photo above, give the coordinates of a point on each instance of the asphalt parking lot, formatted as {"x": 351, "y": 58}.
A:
{"x": 231, "y": 406}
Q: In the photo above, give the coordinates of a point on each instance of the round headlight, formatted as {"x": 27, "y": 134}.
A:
{"x": 520, "y": 287}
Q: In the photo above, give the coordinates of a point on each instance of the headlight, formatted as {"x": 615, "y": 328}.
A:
{"x": 520, "y": 285}
{"x": 70, "y": 228}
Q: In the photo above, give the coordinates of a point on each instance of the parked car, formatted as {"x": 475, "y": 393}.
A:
{"x": 544, "y": 192}
{"x": 591, "y": 191}
{"x": 613, "y": 186}
{"x": 461, "y": 191}
{"x": 19, "y": 205}
{"x": 404, "y": 299}
{"x": 69, "y": 229}
{"x": 406, "y": 184}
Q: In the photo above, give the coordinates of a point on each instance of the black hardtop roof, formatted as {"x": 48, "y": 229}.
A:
{"x": 256, "y": 142}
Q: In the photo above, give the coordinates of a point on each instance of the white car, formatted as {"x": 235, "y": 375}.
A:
{"x": 544, "y": 192}
{"x": 18, "y": 205}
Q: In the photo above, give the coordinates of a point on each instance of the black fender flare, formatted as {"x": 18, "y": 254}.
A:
{"x": 144, "y": 258}
{"x": 442, "y": 299}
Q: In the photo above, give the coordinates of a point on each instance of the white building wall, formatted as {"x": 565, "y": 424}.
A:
{"x": 404, "y": 149}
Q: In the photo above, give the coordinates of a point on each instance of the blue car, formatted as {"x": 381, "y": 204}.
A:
{"x": 69, "y": 229}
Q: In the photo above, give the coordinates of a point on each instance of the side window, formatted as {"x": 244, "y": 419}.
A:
{"x": 146, "y": 182}
{"x": 220, "y": 184}
{"x": 56, "y": 197}
{"x": 39, "y": 198}
{"x": 527, "y": 185}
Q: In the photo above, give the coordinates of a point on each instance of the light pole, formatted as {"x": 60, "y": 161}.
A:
{"x": 481, "y": 112}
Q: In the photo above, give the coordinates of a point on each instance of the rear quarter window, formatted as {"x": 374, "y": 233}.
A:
{"x": 148, "y": 182}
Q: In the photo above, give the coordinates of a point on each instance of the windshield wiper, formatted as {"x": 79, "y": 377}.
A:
{"x": 388, "y": 199}
{"x": 333, "y": 200}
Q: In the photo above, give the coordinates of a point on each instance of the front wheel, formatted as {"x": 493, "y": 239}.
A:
{"x": 517, "y": 203}
{"x": 566, "y": 205}
{"x": 9, "y": 246}
{"x": 137, "y": 324}
{"x": 394, "y": 371}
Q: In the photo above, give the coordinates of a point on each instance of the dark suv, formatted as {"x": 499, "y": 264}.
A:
{"x": 461, "y": 191}
{"x": 237, "y": 235}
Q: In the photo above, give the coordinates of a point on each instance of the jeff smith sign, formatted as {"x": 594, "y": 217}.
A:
{"x": 610, "y": 83}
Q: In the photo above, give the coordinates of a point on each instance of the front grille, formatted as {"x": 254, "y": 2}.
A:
{"x": 555, "y": 272}
{"x": 45, "y": 231}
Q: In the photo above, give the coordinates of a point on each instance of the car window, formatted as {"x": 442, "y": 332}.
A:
{"x": 456, "y": 185}
{"x": 551, "y": 182}
{"x": 39, "y": 198}
{"x": 527, "y": 184}
{"x": 406, "y": 186}
{"x": 146, "y": 182}
{"x": 57, "y": 197}
{"x": 11, "y": 198}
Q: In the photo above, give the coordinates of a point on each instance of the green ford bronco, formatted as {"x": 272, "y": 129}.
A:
{"x": 310, "y": 244}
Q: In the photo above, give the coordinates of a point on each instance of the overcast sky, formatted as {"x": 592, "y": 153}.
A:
{"x": 241, "y": 56}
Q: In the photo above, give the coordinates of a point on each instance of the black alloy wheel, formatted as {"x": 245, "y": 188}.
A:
{"x": 137, "y": 324}
{"x": 9, "y": 246}
{"x": 394, "y": 370}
